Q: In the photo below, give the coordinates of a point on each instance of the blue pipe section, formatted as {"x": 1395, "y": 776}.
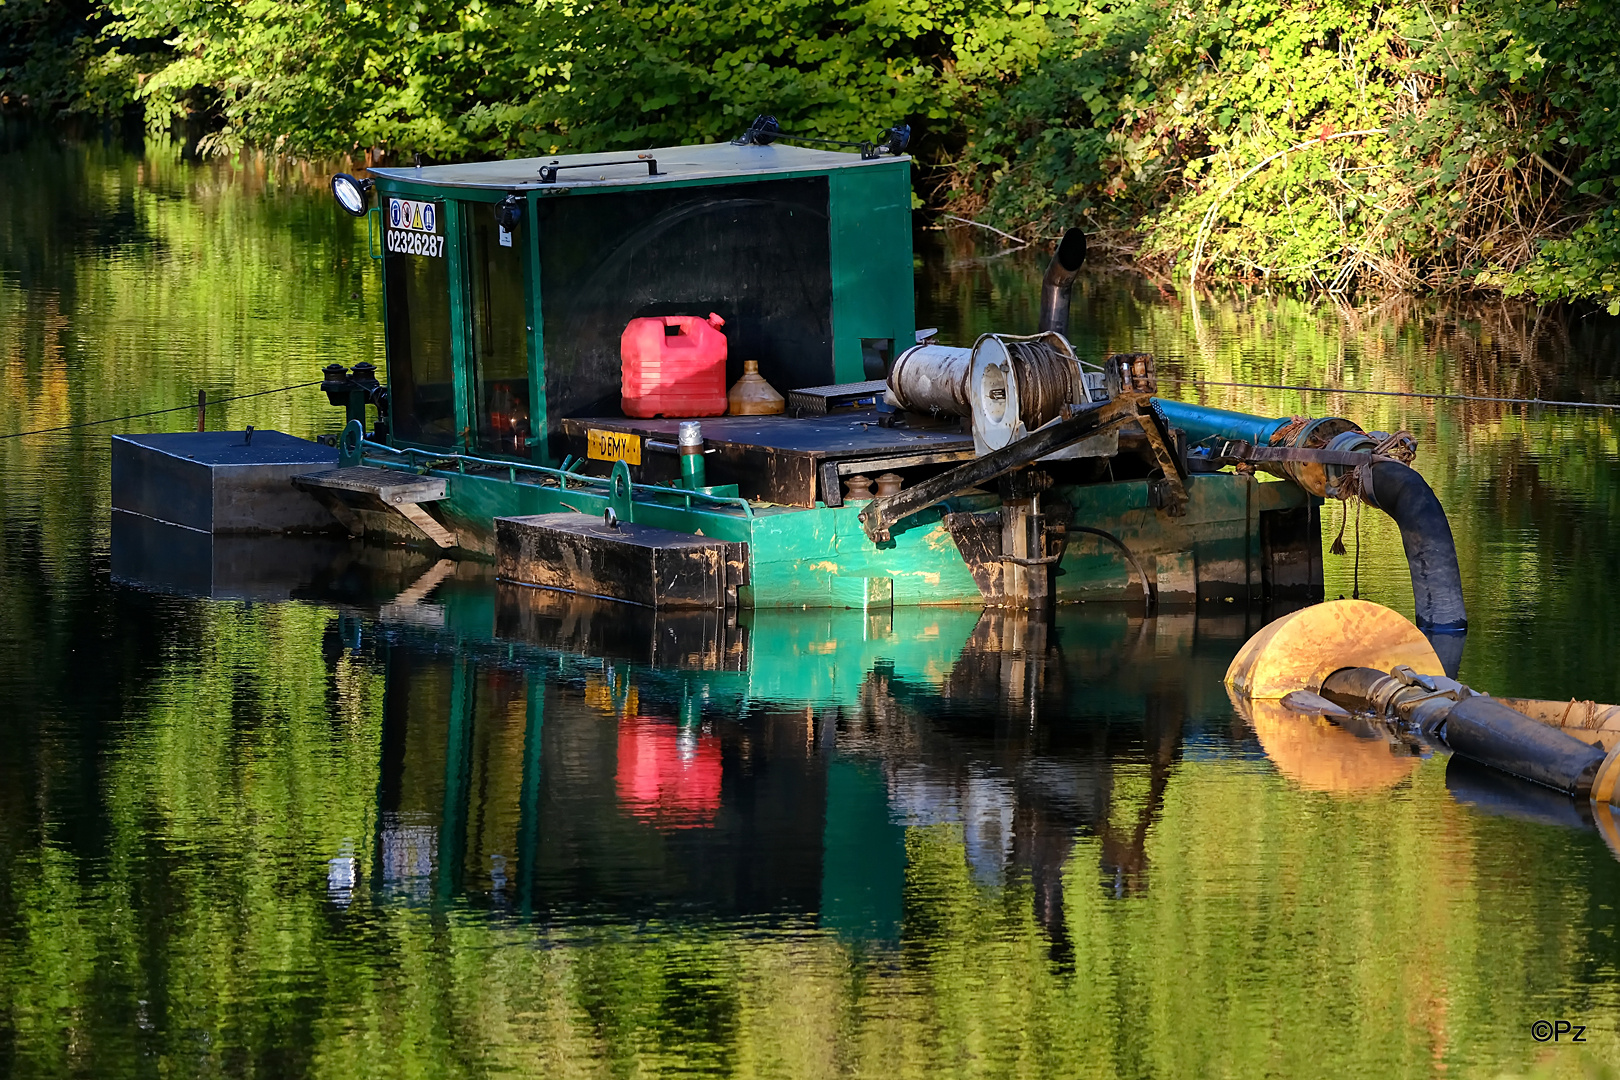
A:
{"x": 1201, "y": 422}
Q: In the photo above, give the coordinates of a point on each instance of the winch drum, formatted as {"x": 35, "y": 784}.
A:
{"x": 1018, "y": 385}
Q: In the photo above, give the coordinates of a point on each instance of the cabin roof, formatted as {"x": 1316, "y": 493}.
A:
{"x": 675, "y": 164}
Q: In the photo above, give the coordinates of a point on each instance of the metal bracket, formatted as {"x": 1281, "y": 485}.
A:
{"x": 621, "y": 493}
{"x": 883, "y": 513}
{"x": 374, "y": 230}
{"x": 832, "y": 493}
{"x": 830, "y": 472}
{"x": 350, "y": 446}
{"x": 1232, "y": 453}
{"x": 1172, "y": 490}
{"x": 765, "y": 130}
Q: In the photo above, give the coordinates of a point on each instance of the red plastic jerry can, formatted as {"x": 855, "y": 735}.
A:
{"x": 673, "y": 365}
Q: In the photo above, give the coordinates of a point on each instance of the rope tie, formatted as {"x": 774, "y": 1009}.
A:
{"x": 1352, "y": 487}
{"x": 1355, "y": 582}
{"x": 1285, "y": 435}
{"x": 1337, "y": 547}
{"x": 1402, "y": 446}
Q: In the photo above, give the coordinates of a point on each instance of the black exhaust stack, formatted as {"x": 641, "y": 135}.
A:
{"x": 1071, "y": 253}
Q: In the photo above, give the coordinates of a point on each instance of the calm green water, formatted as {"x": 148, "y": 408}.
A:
{"x": 317, "y": 830}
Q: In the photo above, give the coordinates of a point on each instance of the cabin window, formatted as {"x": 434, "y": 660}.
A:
{"x": 499, "y": 334}
{"x": 756, "y": 253}
{"x": 421, "y": 376}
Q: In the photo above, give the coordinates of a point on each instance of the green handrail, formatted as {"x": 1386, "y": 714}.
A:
{"x": 560, "y": 475}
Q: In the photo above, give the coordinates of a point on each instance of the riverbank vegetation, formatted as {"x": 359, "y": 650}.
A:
{"x": 1329, "y": 144}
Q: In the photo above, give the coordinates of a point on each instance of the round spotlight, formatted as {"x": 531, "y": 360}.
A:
{"x": 509, "y": 212}
{"x": 351, "y": 193}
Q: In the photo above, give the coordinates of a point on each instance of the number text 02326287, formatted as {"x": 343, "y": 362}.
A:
{"x": 415, "y": 243}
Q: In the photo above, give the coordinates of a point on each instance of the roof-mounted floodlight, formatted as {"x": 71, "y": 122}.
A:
{"x": 350, "y": 193}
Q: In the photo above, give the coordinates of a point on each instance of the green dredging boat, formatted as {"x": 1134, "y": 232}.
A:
{"x": 1009, "y": 472}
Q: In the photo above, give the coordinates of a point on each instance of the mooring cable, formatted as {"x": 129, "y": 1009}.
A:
{"x": 1415, "y": 394}
{"x": 158, "y": 412}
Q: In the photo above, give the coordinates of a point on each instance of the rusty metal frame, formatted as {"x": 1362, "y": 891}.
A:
{"x": 882, "y": 514}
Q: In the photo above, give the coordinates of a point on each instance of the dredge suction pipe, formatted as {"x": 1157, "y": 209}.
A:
{"x": 1386, "y": 484}
{"x": 1431, "y": 554}
{"x": 1475, "y": 726}
{"x": 1355, "y": 657}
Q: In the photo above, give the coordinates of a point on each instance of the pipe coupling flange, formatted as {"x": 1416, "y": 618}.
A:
{"x": 1319, "y": 434}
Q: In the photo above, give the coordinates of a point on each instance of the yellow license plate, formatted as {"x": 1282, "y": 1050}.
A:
{"x": 603, "y": 445}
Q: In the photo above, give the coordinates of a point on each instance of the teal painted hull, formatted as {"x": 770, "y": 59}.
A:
{"x": 821, "y": 558}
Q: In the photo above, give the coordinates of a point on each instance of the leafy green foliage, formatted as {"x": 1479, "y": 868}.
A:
{"x": 1333, "y": 144}
{"x": 43, "y": 46}
{"x": 1322, "y": 144}
{"x": 1585, "y": 265}
{"x": 497, "y": 76}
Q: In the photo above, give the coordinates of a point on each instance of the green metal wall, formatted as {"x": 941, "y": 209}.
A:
{"x": 873, "y": 292}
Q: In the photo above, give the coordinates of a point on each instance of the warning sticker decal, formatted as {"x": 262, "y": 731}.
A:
{"x": 413, "y": 215}
{"x": 413, "y": 228}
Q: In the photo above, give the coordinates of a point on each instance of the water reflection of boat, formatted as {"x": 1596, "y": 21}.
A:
{"x": 562, "y": 758}
{"x": 708, "y": 639}
{"x": 170, "y": 558}
{"x": 668, "y": 774}
{"x": 1493, "y": 792}
{"x": 161, "y": 557}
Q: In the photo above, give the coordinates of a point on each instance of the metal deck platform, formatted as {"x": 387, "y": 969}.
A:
{"x": 784, "y": 459}
{"x": 393, "y": 488}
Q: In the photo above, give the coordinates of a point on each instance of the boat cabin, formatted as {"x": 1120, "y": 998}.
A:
{"x": 507, "y": 284}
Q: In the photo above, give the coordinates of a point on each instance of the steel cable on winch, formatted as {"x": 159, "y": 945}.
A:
{"x": 1047, "y": 381}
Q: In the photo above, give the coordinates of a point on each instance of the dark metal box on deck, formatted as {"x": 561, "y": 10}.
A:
{"x": 220, "y": 481}
{"x": 654, "y": 567}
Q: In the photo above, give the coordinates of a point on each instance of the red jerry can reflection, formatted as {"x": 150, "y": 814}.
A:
{"x": 667, "y": 775}
{"x": 673, "y": 365}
